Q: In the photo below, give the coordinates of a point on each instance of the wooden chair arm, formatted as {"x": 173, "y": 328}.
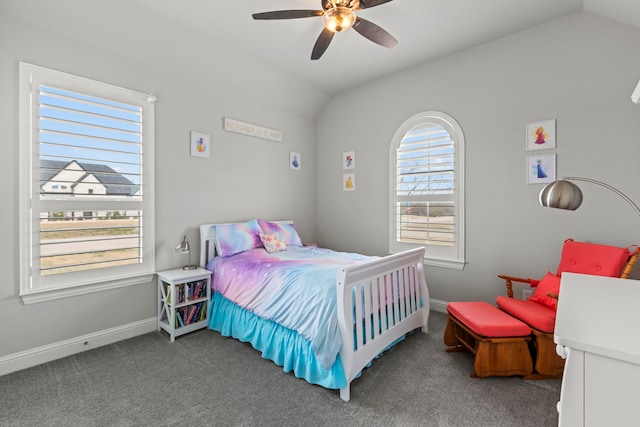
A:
{"x": 508, "y": 282}
{"x": 514, "y": 279}
{"x": 555, "y": 297}
{"x": 632, "y": 261}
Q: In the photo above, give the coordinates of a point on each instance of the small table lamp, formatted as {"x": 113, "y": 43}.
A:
{"x": 184, "y": 248}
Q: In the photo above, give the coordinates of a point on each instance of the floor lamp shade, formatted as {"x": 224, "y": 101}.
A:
{"x": 562, "y": 195}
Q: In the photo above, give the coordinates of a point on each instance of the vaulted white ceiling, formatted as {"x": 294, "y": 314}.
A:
{"x": 425, "y": 29}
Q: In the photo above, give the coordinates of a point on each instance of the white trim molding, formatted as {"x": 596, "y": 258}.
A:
{"x": 438, "y": 305}
{"x": 36, "y": 356}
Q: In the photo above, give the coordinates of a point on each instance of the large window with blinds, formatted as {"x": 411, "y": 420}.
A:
{"x": 87, "y": 171}
{"x": 427, "y": 188}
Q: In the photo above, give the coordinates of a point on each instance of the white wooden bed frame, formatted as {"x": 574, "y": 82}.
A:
{"x": 361, "y": 291}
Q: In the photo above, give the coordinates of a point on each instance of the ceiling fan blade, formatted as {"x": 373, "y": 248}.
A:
{"x": 374, "y": 33}
{"x": 322, "y": 43}
{"x": 288, "y": 14}
{"x": 365, "y": 4}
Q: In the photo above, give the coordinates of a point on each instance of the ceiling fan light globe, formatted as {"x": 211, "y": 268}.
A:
{"x": 338, "y": 19}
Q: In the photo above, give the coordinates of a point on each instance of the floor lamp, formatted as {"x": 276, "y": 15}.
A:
{"x": 564, "y": 194}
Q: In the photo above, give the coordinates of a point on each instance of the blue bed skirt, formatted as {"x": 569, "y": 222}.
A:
{"x": 281, "y": 345}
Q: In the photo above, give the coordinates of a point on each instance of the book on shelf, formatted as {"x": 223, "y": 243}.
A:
{"x": 179, "y": 318}
{"x": 196, "y": 290}
{"x": 196, "y": 313}
{"x": 203, "y": 311}
{"x": 180, "y": 291}
{"x": 193, "y": 310}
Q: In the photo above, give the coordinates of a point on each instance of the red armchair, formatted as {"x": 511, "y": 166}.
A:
{"x": 539, "y": 311}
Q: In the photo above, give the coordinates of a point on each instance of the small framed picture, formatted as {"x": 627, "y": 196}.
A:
{"x": 349, "y": 182}
{"x": 541, "y": 169}
{"x": 348, "y": 160}
{"x": 295, "y": 160}
{"x": 200, "y": 144}
{"x": 541, "y": 135}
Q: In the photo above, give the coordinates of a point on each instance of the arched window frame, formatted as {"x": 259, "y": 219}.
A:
{"x": 435, "y": 255}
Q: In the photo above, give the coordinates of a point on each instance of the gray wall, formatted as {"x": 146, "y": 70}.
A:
{"x": 245, "y": 177}
{"x": 580, "y": 70}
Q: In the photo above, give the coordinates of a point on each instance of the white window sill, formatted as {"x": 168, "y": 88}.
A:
{"x": 445, "y": 263}
{"x": 42, "y": 295}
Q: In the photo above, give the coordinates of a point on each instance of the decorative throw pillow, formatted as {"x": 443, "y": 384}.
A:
{"x": 286, "y": 232}
{"x": 272, "y": 242}
{"x": 237, "y": 237}
{"x": 549, "y": 283}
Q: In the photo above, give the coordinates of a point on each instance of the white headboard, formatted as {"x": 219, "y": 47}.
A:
{"x": 207, "y": 244}
{"x": 208, "y": 241}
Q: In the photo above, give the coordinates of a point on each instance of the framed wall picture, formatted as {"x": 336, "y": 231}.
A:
{"x": 349, "y": 182}
{"x": 541, "y": 135}
{"x": 348, "y": 160}
{"x": 295, "y": 160}
{"x": 200, "y": 144}
{"x": 541, "y": 169}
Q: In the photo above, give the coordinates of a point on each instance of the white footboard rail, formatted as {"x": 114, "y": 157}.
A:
{"x": 379, "y": 302}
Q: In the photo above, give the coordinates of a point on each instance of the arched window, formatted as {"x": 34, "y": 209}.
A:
{"x": 427, "y": 189}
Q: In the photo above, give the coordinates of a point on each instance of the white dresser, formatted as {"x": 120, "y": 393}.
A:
{"x": 598, "y": 329}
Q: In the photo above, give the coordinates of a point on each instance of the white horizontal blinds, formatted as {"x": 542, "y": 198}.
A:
{"x": 102, "y": 138}
{"x": 76, "y": 241}
{"x": 90, "y": 153}
{"x": 425, "y": 187}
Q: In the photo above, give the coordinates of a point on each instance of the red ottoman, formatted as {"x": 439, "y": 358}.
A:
{"x": 499, "y": 341}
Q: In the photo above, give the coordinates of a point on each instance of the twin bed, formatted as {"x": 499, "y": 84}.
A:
{"x": 320, "y": 314}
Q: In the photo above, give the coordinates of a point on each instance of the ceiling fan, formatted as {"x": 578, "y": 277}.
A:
{"x": 337, "y": 16}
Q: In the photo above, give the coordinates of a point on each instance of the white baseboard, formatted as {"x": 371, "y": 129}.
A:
{"x": 36, "y": 356}
{"x": 438, "y": 305}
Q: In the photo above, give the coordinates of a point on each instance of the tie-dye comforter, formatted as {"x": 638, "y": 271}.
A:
{"x": 295, "y": 288}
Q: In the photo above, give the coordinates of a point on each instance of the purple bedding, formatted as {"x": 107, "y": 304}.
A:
{"x": 295, "y": 288}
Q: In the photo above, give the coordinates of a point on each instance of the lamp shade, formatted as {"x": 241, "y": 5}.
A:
{"x": 561, "y": 194}
{"x": 183, "y": 246}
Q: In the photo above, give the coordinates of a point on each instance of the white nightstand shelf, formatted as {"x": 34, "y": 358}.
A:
{"x": 183, "y": 300}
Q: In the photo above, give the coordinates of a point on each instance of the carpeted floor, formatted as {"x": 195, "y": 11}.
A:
{"x": 204, "y": 379}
